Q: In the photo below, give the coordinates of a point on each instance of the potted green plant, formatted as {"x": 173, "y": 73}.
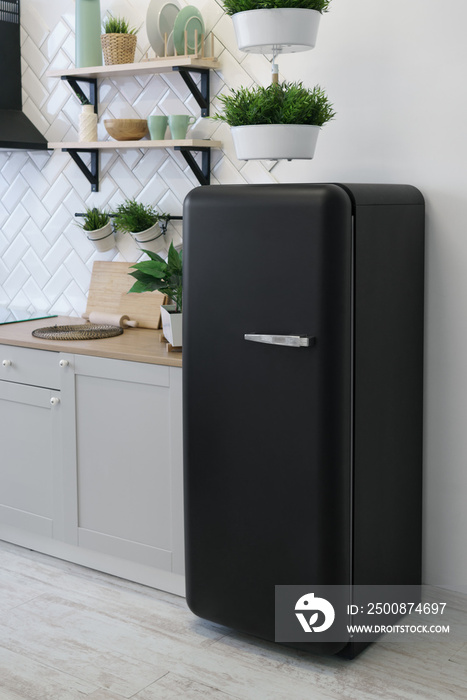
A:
{"x": 167, "y": 278}
{"x": 144, "y": 223}
{"x": 276, "y": 26}
{"x": 98, "y": 228}
{"x": 280, "y": 121}
{"x": 118, "y": 40}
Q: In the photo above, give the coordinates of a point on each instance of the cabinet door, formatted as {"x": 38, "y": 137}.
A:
{"x": 126, "y": 502}
{"x": 30, "y": 438}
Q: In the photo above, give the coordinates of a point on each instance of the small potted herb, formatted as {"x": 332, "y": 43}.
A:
{"x": 144, "y": 223}
{"x": 98, "y": 228}
{"x": 167, "y": 278}
{"x": 276, "y": 26}
{"x": 118, "y": 40}
{"x": 280, "y": 121}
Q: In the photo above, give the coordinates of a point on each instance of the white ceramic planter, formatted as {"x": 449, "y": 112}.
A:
{"x": 275, "y": 141}
{"x": 152, "y": 239}
{"x": 171, "y": 325}
{"x": 103, "y": 238}
{"x": 278, "y": 30}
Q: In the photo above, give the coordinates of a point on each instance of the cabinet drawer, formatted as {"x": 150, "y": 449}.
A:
{"x": 29, "y": 366}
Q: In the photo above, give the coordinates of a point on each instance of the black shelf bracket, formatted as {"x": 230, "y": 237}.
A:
{"x": 203, "y": 174}
{"x": 92, "y": 82}
{"x": 92, "y": 173}
{"x": 201, "y": 96}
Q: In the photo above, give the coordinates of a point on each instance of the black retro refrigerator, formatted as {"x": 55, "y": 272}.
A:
{"x": 303, "y": 375}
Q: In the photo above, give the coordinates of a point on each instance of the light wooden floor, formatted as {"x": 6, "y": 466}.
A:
{"x": 68, "y": 633}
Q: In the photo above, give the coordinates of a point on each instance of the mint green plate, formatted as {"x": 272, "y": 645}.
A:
{"x": 189, "y": 19}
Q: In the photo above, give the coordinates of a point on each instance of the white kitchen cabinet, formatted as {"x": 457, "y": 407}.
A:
{"x": 91, "y": 466}
{"x": 31, "y": 476}
{"x": 128, "y": 460}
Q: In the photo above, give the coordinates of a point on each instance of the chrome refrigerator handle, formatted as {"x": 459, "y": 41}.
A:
{"x": 291, "y": 341}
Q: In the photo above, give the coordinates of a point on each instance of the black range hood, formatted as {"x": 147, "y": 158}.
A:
{"x": 16, "y": 130}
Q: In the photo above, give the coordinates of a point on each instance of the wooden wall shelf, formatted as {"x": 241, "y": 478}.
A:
{"x": 193, "y": 144}
{"x": 158, "y": 65}
{"x": 185, "y": 66}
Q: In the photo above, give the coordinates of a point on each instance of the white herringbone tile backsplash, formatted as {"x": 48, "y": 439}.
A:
{"x": 45, "y": 259}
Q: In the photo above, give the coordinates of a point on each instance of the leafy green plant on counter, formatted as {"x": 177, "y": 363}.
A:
{"x": 117, "y": 25}
{"x": 157, "y": 274}
{"x": 234, "y": 6}
{"x": 281, "y": 103}
{"x": 94, "y": 219}
{"x": 134, "y": 217}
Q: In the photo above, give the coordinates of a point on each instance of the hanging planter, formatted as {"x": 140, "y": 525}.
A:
{"x": 276, "y": 30}
{"x": 280, "y": 121}
{"x": 276, "y": 26}
{"x": 275, "y": 141}
{"x": 98, "y": 229}
{"x": 152, "y": 239}
{"x": 144, "y": 223}
{"x": 103, "y": 238}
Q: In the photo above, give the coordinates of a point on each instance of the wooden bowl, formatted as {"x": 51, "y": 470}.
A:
{"x": 126, "y": 129}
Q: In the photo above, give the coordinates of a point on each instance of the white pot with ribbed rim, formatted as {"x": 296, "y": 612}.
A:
{"x": 103, "y": 238}
{"x": 152, "y": 239}
{"x": 278, "y": 30}
{"x": 275, "y": 141}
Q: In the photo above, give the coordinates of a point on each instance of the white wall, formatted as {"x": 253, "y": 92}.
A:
{"x": 396, "y": 74}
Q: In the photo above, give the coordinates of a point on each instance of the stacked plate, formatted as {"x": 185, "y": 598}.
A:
{"x": 168, "y": 18}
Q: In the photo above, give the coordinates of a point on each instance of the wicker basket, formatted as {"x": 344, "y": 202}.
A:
{"x": 118, "y": 48}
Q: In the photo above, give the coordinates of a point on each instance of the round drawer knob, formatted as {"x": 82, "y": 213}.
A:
{"x": 6, "y": 363}
{"x": 64, "y": 363}
{"x": 54, "y": 401}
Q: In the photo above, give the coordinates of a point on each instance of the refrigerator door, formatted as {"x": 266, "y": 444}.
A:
{"x": 267, "y": 397}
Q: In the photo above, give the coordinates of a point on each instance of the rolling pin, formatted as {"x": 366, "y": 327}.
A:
{"x": 111, "y": 319}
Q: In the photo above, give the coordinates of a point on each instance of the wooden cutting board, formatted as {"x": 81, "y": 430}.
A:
{"x": 108, "y": 293}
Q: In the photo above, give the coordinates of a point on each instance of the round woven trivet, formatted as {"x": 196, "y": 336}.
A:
{"x": 86, "y": 331}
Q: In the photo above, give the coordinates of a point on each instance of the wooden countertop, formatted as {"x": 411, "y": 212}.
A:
{"x": 135, "y": 344}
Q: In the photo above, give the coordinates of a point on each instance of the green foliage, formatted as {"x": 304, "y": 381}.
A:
{"x": 234, "y": 6}
{"x": 82, "y": 98}
{"x": 133, "y": 216}
{"x": 117, "y": 25}
{"x": 157, "y": 274}
{"x": 93, "y": 219}
{"x": 282, "y": 103}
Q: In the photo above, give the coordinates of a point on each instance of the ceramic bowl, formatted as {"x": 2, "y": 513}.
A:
{"x": 126, "y": 129}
